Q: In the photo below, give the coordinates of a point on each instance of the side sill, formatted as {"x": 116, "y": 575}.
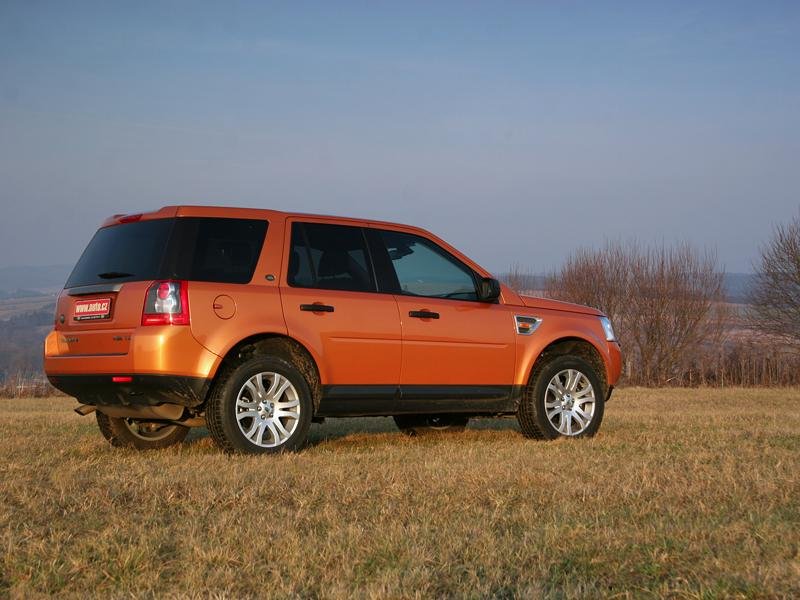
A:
{"x": 387, "y": 400}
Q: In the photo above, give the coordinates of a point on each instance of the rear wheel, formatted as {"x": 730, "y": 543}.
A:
{"x": 424, "y": 424}
{"x": 142, "y": 435}
{"x": 261, "y": 406}
{"x": 565, "y": 397}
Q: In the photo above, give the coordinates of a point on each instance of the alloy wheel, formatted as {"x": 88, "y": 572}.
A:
{"x": 267, "y": 409}
{"x": 570, "y": 402}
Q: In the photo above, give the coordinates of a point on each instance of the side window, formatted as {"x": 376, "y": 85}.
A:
{"x": 219, "y": 250}
{"x": 330, "y": 257}
{"x": 425, "y": 269}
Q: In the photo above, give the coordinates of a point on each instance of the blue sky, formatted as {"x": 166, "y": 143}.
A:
{"x": 517, "y": 131}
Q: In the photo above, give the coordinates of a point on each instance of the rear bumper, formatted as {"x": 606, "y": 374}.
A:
{"x": 142, "y": 390}
{"x": 166, "y": 364}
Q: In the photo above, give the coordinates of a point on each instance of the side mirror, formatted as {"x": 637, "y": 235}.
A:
{"x": 488, "y": 289}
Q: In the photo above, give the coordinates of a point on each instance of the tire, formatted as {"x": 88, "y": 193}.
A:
{"x": 427, "y": 424}
{"x": 553, "y": 405}
{"x": 127, "y": 433}
{"x": 243, "y": 410}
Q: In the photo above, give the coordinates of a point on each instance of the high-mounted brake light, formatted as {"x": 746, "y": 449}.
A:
{"x": 166, "y": 303}
{"x": 130, "y": 218}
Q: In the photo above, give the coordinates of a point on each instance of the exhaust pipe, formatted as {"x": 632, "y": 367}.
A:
{"x": 164, "y": 412}
{"x": 192, "y": 422}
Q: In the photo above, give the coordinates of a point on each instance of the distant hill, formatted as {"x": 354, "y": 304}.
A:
{"x": 5, "y": 295}
{"x": 524, "y": 282}
{"x": 737, "y": 285}
{"x": 27, "y": 280}
{"x": 21, "y": 339}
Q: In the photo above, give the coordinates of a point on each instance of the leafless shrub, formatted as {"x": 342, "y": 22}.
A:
{"x": 666, "y": 303}
{"x": 745, "y": 362}
{"x": 775, "y": 298}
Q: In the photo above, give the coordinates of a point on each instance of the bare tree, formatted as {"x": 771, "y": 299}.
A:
{"x": 666, "y": 303}
{"x": 775, "y": 298}
{"x": 518, "y": 278}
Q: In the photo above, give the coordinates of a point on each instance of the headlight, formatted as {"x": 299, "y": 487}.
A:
{"x": 609, "y": 330}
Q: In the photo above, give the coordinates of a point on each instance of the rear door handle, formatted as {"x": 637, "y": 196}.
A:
{"x": 316, "y": 307}
{"x": 423, "y": 314}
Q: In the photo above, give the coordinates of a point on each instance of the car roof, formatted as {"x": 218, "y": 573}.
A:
{"x": 191, "y": 210}
{"x": 232, "y": 212}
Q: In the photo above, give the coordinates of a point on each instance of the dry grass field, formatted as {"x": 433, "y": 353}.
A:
{"x": 684, "y": 493}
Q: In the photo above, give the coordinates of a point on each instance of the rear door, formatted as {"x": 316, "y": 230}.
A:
{"x": 331, "y": 304}
{"x": 458, "y": 353}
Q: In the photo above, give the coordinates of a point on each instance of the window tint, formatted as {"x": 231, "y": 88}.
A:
{"x": 192, "y": 248}
{"x": 129, "y": 252}
{"x": 332, "y": 257}
{"x": 219, "y": 250}
{"x": 425, "y": 269}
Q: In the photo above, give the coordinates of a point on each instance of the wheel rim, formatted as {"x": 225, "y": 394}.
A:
{"x": 570, "y": 402}
{"x": 267, "y": 409}
{"x": 151, "y": 432}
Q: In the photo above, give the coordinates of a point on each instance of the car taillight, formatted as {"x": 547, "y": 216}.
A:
{"x": 166, "y": 303}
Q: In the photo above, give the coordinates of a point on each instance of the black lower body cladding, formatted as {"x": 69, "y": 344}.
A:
{"x": 141, "y": 390}
{"x": 388, "y": 400}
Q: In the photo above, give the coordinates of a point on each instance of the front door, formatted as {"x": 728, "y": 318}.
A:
{"x": 458, "y": 353}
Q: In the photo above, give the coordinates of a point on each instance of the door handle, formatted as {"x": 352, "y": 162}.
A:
{"x": 423, "y": 314}
{"x": 316, "y": 307}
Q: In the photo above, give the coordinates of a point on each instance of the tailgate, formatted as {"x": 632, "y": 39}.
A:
{"x": 99, "y": 320}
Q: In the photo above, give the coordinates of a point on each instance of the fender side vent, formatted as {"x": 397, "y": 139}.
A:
{"x": 526, "y": 325}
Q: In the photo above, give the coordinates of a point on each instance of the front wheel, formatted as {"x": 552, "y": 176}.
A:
{"x": 424, "y": 424}
{"x": 261, "y": 406}
{"x": 142, "y": 435}
{"x": 564, "y": 398}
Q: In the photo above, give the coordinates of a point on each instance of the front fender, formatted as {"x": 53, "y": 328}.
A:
{"x": 557, "y": 327}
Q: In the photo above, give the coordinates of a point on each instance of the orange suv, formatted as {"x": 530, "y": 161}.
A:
{"x": 254, "y": 323}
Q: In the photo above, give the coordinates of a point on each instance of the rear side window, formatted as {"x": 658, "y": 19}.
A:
{"x": 218, "y": 250}
{"x": 331, "y": 257}
{"x": 191, "y": 248}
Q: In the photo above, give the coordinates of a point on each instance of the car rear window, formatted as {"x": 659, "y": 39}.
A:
{"x": 191, "y": 248}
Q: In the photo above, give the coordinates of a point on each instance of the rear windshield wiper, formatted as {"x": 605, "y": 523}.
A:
{"x": 114, "y": 275}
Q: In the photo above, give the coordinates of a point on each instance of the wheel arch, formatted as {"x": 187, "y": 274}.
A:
{"x": 574, "y": 346}
{"x": 274, "y": 344}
